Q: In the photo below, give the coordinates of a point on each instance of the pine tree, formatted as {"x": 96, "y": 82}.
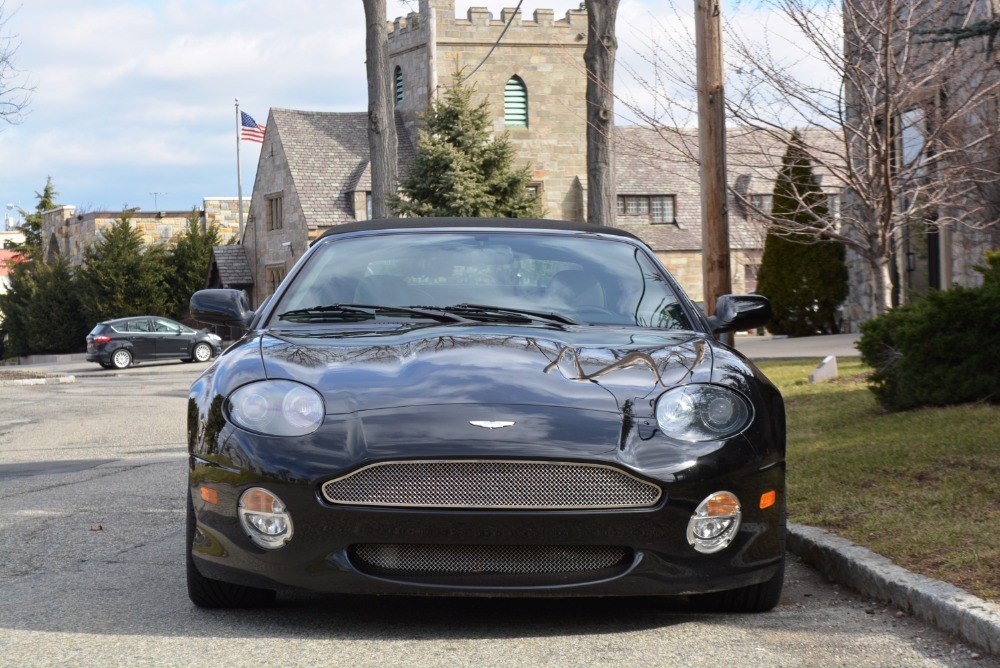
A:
{"x": 55, "y": 319}
{"x": 120, "y": 278}
{"x": 805, "y": 279}
{"x": 31, "y": 247}
{"x": 460, "y": 168}
{"x": 187, "y": 264}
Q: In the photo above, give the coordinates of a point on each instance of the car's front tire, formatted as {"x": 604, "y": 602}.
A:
{"x": 755, "y": 598}
{"x": 208, "y": 593}
{"x": 202, "y": 352}
{"x": 121, "y": 359}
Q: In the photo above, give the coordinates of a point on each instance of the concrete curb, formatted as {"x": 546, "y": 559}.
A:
{"x": 940, "y": 604}
{"x": 54, "y": 380}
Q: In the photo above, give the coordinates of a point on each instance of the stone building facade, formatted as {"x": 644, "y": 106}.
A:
{"x": 313, "y": 170}
{"x": 66, "y": 233}
{"x": 541, "y": 59}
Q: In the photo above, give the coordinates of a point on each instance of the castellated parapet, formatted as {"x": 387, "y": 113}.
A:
{"x": 545, "y": 53}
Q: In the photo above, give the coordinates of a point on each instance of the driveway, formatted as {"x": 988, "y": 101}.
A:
{"x": 92, "y": 481}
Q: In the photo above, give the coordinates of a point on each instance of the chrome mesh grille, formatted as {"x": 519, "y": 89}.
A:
{"x": 417, "y": 560}
{"x": 491, "y": 484}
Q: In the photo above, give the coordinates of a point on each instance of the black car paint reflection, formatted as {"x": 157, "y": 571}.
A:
{"x": 399, "y": 389}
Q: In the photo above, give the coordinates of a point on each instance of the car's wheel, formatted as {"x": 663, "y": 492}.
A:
{"x": 202, "y": 352}
{"x": 755, "y": 598}
{"x": 121, "y": 358}
{"x": 208, "y": 593}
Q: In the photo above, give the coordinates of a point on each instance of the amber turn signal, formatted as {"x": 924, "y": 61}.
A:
{"x": 767, "y": 499}
{"x": 210, "y": 495}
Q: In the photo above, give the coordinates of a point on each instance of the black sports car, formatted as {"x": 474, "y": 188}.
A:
{"x": 486, "y": 407}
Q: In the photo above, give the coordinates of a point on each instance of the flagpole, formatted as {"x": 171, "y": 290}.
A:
{"x": 239, "y": 172}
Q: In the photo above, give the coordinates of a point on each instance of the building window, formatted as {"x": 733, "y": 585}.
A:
{"x": 368, "y": 206}
{"x": 273, "y": 275}
{"x": 515, "y": 103}
{"x": 398, "y": 78}
{"x": 534, "y": 190}
{"x": 761, "y": 204}
{"x": 652, "y": 208}
{"x": 274, "y": 212}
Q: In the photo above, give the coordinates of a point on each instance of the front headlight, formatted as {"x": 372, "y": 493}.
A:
{"x": 277, "y": 408}
{"x": 701, "y": 412}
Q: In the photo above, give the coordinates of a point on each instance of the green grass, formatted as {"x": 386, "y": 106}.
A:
{"x": 920, "y": 487}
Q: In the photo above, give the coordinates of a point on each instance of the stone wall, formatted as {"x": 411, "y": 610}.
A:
{"x": 547, "y": 55}
{"x": 685, "y": 266}
{"x": 67, "y": 233}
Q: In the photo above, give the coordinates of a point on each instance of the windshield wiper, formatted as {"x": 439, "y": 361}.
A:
{"x": 355, "y": 312}
{"x": 503, "y": 313}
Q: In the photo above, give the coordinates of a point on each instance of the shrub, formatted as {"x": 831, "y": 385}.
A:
{"x": 935, "y": 352}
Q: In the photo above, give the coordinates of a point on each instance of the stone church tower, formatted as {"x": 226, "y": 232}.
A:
{"x": 534, "y": 81}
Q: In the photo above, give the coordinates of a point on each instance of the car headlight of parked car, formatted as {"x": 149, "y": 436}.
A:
{"x": 277, "y": 408}
{"x": 699, "y": 412}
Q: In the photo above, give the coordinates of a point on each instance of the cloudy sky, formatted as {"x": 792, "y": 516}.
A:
{"x": 135, "y": 97}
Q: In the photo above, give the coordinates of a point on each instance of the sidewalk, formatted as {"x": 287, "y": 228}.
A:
{"x": 774, "y": 347}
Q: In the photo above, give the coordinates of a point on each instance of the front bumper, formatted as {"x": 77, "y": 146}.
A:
{"x": 323, "y": 553}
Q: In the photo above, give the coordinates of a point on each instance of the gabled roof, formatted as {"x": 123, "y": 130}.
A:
{"x": 327, "y": 155}
{"x": 231, "y": 264}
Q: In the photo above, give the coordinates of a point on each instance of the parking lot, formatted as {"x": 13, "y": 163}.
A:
{"x": 92, "y": 478}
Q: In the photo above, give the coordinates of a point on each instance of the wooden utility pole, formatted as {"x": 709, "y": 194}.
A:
{"x": 712, "y": 151}
{"x": 382, "y": 142}
{"x": 599, "y": 58}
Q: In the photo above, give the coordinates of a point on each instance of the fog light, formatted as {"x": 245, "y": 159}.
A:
{"x": 265, "y": 518}
{"x": 714, "y": 523}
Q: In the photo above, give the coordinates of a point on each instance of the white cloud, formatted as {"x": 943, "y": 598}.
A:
{"x": 135, "y": 96}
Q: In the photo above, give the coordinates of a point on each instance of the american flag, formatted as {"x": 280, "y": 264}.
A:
{"x": 249, "y": 130}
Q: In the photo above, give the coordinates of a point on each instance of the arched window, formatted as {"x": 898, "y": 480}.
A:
{"x": 398, "y": 79}
{"x": 515, "y": 102}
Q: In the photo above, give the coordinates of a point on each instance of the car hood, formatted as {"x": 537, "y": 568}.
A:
{"x": 590, "y": 368}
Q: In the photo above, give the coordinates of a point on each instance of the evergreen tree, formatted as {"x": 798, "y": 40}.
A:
{"x": 31, "y": 247}
{"x": 119, "y": 278}
{"x": 14, "y": 305}
{"x": 805, "y": 279}
{"x": 55, "y": 319}
{"x": 187, "y": 263}
{"x": 460, "y": 168}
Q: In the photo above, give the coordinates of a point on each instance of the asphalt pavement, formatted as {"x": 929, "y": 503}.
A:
{"x": 943, "y": 606}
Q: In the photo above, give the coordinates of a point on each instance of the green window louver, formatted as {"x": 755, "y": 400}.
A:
{"x": 515, "y": 103}
{"x": 399, "y": 85}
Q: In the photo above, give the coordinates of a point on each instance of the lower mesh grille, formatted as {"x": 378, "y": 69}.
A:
{"x": 492, "y": 484}
{"x": 423, "y": 560}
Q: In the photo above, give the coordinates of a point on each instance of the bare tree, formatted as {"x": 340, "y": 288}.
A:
{"x": 599, "y": 58}
{"x": 904, "y": 123}
{"x": 14, "y": 91}
{"x": 382, "y": 143}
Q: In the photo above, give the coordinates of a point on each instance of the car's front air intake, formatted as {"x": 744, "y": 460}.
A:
{"x": 492, "y": 484}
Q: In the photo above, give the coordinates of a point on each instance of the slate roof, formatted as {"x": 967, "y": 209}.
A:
{"x": 232, "y": 265}
{"x": 327, "y": 154}
{"x": 651, "y": 161}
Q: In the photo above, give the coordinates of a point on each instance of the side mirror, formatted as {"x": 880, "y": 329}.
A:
{"x": 228, "y": 308}
{"x": 739, "y": 312}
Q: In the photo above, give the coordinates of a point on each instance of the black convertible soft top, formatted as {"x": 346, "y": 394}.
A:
{"x": 507, "y": 223}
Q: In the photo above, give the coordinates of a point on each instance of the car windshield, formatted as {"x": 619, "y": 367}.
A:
{"x": 503, "y": 277}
